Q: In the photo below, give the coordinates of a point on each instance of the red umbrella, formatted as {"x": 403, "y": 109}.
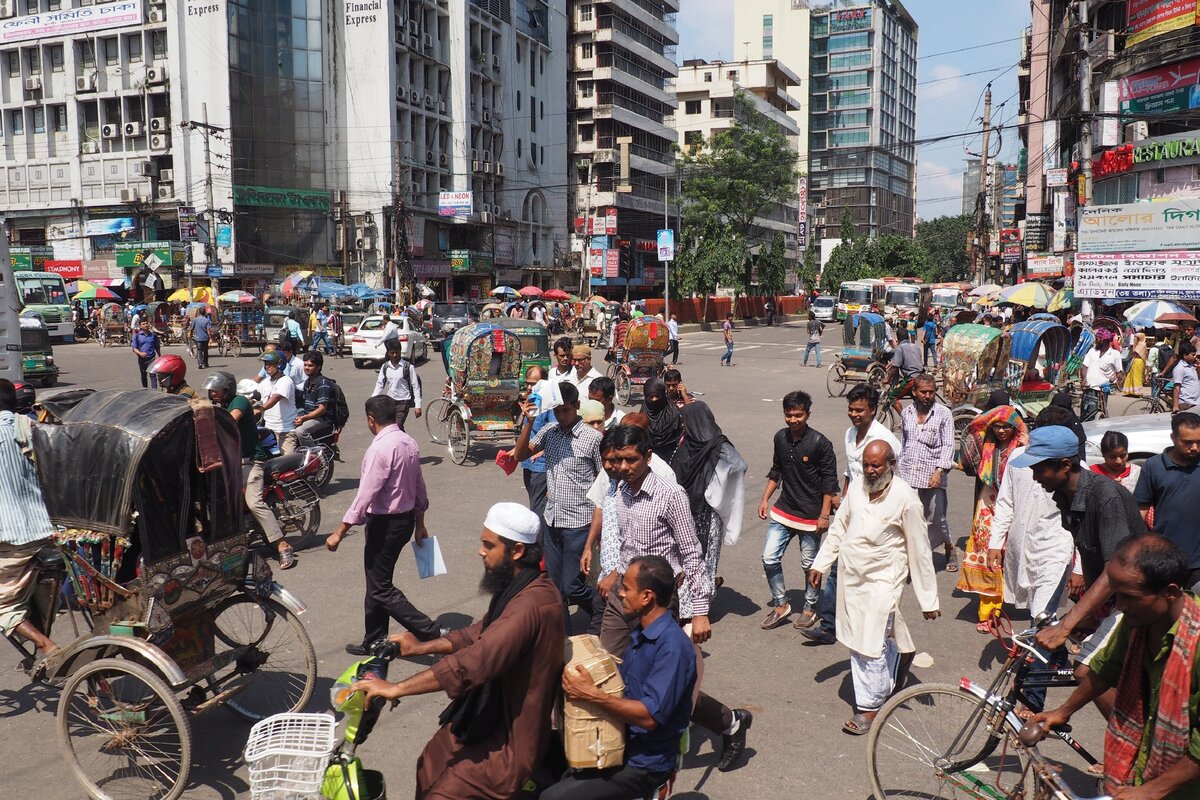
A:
{"x": 1175, "y": 316}
{"x": 530, "y": 291}
{"x": 555, "y": 294}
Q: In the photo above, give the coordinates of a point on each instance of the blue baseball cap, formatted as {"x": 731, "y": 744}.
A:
{"x": 1052, "y": 441}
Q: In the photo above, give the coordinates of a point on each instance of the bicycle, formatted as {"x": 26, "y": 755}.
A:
{"x": 1159, "y": 401}
{"x": 983, "y": 758}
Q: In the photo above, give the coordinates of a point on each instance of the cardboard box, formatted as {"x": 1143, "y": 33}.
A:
{"x": 592, "y": 738}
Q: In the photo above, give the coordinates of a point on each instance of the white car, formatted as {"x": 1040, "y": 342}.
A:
{"x": 824, "y": 307}
{"x": 1148, "y": 434}
{"x": 366, "y": 343}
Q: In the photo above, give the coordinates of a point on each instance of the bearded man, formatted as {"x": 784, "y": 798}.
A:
{"x": 502, "y": 674}
{"x": 878, "y": 540}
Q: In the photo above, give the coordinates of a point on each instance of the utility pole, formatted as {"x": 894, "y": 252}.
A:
{"x": 1085, "y": 119}
{"x": 666, "y": 264}
{"x": 982, "y": 223}
{"x": 207, "y": 131}
{"x": 398, "y": 221}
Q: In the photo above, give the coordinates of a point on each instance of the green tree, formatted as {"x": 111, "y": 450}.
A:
{"x": 899, "y": 256}
{"x": 772, "y": 265}
{"x": 945, "y": 240}
{"x": 708, "y": 254}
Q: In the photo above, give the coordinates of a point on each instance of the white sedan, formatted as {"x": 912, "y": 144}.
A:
{"x": 366, "y": 342}
{"x": 1148, "y": 434}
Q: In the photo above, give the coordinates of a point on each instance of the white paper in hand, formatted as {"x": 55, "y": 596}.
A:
{"x": 429, "y": 558}
{"x": 548, "y": 395}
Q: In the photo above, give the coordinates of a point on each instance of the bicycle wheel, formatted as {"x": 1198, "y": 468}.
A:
{"x": 908, "y": 748}
{"x": 835, "y": 380}
{"x": 886, "y": 415}
{"x": 278, "y": 671}
{"x": 1144, "y": 406}
{"x": 624, "y": 388}
{"x": 124, "y": 733}
{"x": 876, "y": 377}
{"x": 458, "y": 436}
{"x": 435, "y": 419}
{"x": 234, "y": 347}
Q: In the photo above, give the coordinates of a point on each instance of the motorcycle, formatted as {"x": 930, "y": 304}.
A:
{"x": 327, "y": 443}
{"x": 289, "y": 491}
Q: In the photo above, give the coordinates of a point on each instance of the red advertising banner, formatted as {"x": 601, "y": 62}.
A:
{"x": 1157, "y": 81}
{"x": 1150, "y": 18}
{"x": 70, "y": 270}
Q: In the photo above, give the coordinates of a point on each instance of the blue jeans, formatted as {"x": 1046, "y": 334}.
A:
{"x": 321, "y": 336}
{"x": 563, "y": 548}
{"x": 827, "y": 607}
{"x": 810, "y": 347}
{"x": 778, "y": 539}
{"x": 728, "y": 357}
{"x": 930, "y": 350}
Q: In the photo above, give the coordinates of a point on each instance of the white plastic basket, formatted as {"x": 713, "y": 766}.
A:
{"x": 287, "y": 755}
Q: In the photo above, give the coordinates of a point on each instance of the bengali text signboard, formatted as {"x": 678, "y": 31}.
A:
{"x": 1161, "y": 90}
{"x": 1140, "y": 227}
{"x": 70, "y": 21}
{"x": 1138, "y": 276}
{"x": 1150, "y": 18}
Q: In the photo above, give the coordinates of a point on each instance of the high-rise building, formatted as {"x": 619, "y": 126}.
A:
{"x": 863, "y": 117}
{"x": 621, "y": 95}
{"x": 971, "y": 185}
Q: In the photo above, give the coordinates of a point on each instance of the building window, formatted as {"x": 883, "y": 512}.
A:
{"x": 39, "y": 119}
{"x": 520, "y": 147}
{"x": 1160, "y": 176}
{"x": 158, "y": 44}
{"x": 587, "y": 133}
{"x": 135, "y": 47}
{"x": 35, "y": 62}
{"x": 691, "y": 107}
{"x": 532, "y": 117}
{"x": 56, "y": 58}
{"x": 13, "y": 57}
{"x": 732, "y": 75}
{"x": 586, "y": 51}
{"x": 693, "y": 138}
{"x": 518, "y": 101}
{"x": 112, "y": 53}
{"x": 849, "y": 138}
{"x": 87, "y": 53}
{"x": 585, "y": 12}
{"x": 768, "y": 35}
{"x": 587, "y": 88}
{"x": 59, "y": 114}
{"x": 708, "y": 77}
{"x": 17, "y": 122}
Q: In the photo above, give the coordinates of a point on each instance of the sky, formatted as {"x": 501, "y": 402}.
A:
{"x": 950, "y": 84}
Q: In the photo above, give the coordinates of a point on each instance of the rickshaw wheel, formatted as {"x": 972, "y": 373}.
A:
{"x": 458, "y": 437}
{"x": 124, "y": 733}
{"x": 624, "y": 388}
{"x": 435, "y": 419}
{"x": 235, "y": 347}
{"x": 876, "y": 376}
{"x": 221, "y": 347}
{"x": 886, "y": 415}
{"x": 1143, "y": 406}
{"x": 835, "y": 380}
{"x": 279, "y": 671}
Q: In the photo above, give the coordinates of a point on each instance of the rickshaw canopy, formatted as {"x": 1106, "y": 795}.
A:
{"x": 482, "y": 351}
{"x": 971, "y": 355}
{"x": 647, "y": 333}
{"x": 535, "y": 340}
{"x": 1030, "y": 335}
{"x": 117, "y": 461}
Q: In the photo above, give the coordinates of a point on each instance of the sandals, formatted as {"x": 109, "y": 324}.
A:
{"x": 984, "y": 627}
{"x": 858, "y": 725}
{"x": 287, "y": 557}
{"x": 952, "y": 562}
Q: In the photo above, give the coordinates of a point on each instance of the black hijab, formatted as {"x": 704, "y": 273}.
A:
{"x": 696, "y": 459}
{"x": 665, "y": 420}
{"x": 1063, "y": 400}
{"x": 997, "y": 398}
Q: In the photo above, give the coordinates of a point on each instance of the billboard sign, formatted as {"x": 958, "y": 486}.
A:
{"x": 1149, "y": 18}
{"x": 109, "y": 227}
{"x": 666, "y": 245}
{"x": 1161, "y": 90}
{"x": 1046, "y": 266}
{"x": 849, "y": 19}
{"x": 1140, "y": 227}
{"x": 1138, "y": 276}
{"x": 70, "y": 21}
{"x": 1056, "y": 177}
{"x": 455, "y": 204}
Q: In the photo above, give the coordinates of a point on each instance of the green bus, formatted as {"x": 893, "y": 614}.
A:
{"x": 45, "y": 294}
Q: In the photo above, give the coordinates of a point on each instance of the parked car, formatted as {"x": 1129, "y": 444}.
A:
{"x": 825, "y": 307}
{"x": 1148, "y": 434}
{"x": 366, "y": 343}
{"x": 350, "y": 322}
{"x": 275, "y": 319}
{"x": 449, "y": 317}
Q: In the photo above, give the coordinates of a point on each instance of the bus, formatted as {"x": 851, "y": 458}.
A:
{"x": 855, "y": 296}
{"x": 10, "y": 319}
{"x": 45, "y": 295}
{"x": 948, "y": 295}
{"x": 903, "y": 298}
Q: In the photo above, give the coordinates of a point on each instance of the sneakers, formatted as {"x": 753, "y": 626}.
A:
{"x": 734, "y": 744}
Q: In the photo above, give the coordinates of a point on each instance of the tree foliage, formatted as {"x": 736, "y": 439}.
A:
{"x": 937, "y": 254}
{"x": 707, "y": 255}
{"x": 945, "y": 240}
{"x": 772, "y": 265}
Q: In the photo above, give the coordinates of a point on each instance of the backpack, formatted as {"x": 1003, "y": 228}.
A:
{"x": 341, "y": 410}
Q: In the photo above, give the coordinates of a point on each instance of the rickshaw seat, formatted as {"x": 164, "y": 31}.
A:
{"x": 49, "y": 557}
{"x": 284, "y": 463}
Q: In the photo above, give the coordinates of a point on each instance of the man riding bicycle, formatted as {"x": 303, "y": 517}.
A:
{"x": 907, "y": 364}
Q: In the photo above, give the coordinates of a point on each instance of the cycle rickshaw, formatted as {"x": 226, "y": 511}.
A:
{"x": 974, "y": 358}
{"x": 484, "y": 372}
{"x": 639, "y": 357}
{"x": 114, "y": 328}
{"x": 535, "y": 341}
{"x": 172, "y": 614}
{"x": 160, "y": 314}
{"x": 863, "y": 356}
{"x": 242, "y": 325}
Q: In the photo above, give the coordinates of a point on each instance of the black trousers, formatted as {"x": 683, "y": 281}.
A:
{"x": 386, "y": 536}
{"x": 202, "y": 353}
{"x": 673, "y": 351}
{"x": 402, "y": 409}
{"x": 143, "y": 365}
{"x": 614, "y": 783}
{"x": 535, "y": 488}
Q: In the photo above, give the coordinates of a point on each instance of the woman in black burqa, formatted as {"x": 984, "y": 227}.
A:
{"x": 666, "y": 424}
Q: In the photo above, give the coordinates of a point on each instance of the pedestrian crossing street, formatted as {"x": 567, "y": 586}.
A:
{"x": 686, "y": 345}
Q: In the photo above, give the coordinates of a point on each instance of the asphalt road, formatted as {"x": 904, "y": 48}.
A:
{"x": 800, "y": 693}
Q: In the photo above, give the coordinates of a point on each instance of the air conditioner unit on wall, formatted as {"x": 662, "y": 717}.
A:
{"x": 166, "y": 175}
{"x": 111, "y": 131}
{"x": 476, "y": 166}
{"x": 90, "y": 148}
{"x": 429, "y": 102}
{"x": 499, "y": 169}
{"x": 145, "y": 169}
{"x": 487, "y": 118}
{"x": 158, "y": 124}
{"x": 444, "y": 159}
{"x": 156, "y": 74}
{"x": 129, "y": 196}
{"x": 485, "y": 217}
{"x": 166, "y": 191}
{"x": 429, "y": 156}
{"x": 401, "y": 92}
{"x": 8, "y": 8}
{"x": 86, "y": 82}
{"x": 33, "y": 84}
{"x": 427, "y": 40}
{"x": 160, "y": 141}
{"x": 156, "y": 15}
{"x": 133, "y": 129}
{"x": 415, "y": 97}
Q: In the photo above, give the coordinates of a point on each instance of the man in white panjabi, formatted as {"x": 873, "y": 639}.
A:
{"x": 879, "y": 540}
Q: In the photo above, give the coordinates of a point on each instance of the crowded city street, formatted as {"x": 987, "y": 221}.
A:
{"x": 798, "y": 691}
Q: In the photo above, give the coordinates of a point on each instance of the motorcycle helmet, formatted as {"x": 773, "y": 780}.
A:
{"x": 26, "y": 397}
{"x": 221, "y": 381}
{"x": 169, "y": 372}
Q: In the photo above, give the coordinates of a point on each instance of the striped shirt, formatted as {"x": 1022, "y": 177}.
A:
{"x": 572, "y": 464}
{"x": 23, "y": 517}
{"x": 657, "y": 520}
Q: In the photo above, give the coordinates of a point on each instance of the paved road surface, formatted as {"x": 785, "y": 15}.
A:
{"x": 800, "y": 693}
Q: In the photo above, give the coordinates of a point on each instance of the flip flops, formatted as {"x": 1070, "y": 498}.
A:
{"x": 858, "y": 725}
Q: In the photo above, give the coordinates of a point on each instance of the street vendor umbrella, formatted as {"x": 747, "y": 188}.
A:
{"x": 504, "y": 291}
{"x": 180, "y": 296}
{"x": 292, "y": 281}
{"x": 1030, "y": 293}
{"x": 987, "y": 288}
{"x": 530, "y": 291}
{"x": 555, "y": 294}
{"x": 95, "y": 293}
{"x": 236, "y": 296}
{"x": 1063, "y": 299}
{"x": 204, "y": 294}
{"x": 573, "y": 298}
{"x": 988, "y": 299}
{"x": 194, "y": 306}
{"x": 1176, "y": 318}
{"x": 425, "y": 291}
{"x": 1146, "y": 313}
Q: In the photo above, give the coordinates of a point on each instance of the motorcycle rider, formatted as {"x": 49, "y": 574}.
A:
{"x": 316, "y": 414}
{"x": 221, "y": 388}
{"x": 169, "y": 374}
{"x": 278, "y": 394}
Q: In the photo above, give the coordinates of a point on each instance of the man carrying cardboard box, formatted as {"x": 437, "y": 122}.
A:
{"x": 659, "y": 670}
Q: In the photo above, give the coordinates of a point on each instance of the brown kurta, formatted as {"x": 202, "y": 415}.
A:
{"x": 522, "y": 650}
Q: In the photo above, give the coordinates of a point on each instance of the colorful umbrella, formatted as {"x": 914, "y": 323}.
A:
{"x": 204, "y": 294}
{"x": 291, "y": 281}
{"x": 194, "y": 306}
{"x": 988, "y": 299}
{"x": 94, "y": 292}
{"x": 987, "y": 288}
{"x": 235, "y": 296}
{"x": 179, "y": 296}
{"x": 504, "y": 291}
{"x": 1176, "y": 318}
{"x": 1064, "y": 299}
{"x": 556, "y": 294}
{"x": 1146, "y": 313}
{"x": 1030, "y": 293}
{"x": 530, "y": 291}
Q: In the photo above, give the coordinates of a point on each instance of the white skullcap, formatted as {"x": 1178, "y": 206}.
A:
{"x": 514, "y": 522}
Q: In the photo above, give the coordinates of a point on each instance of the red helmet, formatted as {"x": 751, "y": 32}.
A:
{"x": 26, "y": 396}
{"x": 169, "y": 371}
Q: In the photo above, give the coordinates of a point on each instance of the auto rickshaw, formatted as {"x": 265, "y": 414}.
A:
{"x": 37, "y": 353}
{"x": 640, "y": 358}
{"x": 171, "y": 613}
{"x": 535, "y": 341}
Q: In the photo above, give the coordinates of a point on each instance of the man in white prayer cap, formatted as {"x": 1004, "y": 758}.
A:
{"x": 502, "y": 673}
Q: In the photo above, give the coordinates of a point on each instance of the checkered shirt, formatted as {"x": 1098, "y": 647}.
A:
{"x": 657, "y": 520}
{"x": 572, "y": 463}
{"x": 926, "y": 447}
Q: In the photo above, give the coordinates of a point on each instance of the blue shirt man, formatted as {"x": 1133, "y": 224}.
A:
{"x": 145, "y": 346}
{"x": 200, "y": 327}
{"x": 1170, "y": 484}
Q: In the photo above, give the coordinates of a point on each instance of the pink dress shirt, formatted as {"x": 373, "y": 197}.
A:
{"x": 391, "y": 481}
